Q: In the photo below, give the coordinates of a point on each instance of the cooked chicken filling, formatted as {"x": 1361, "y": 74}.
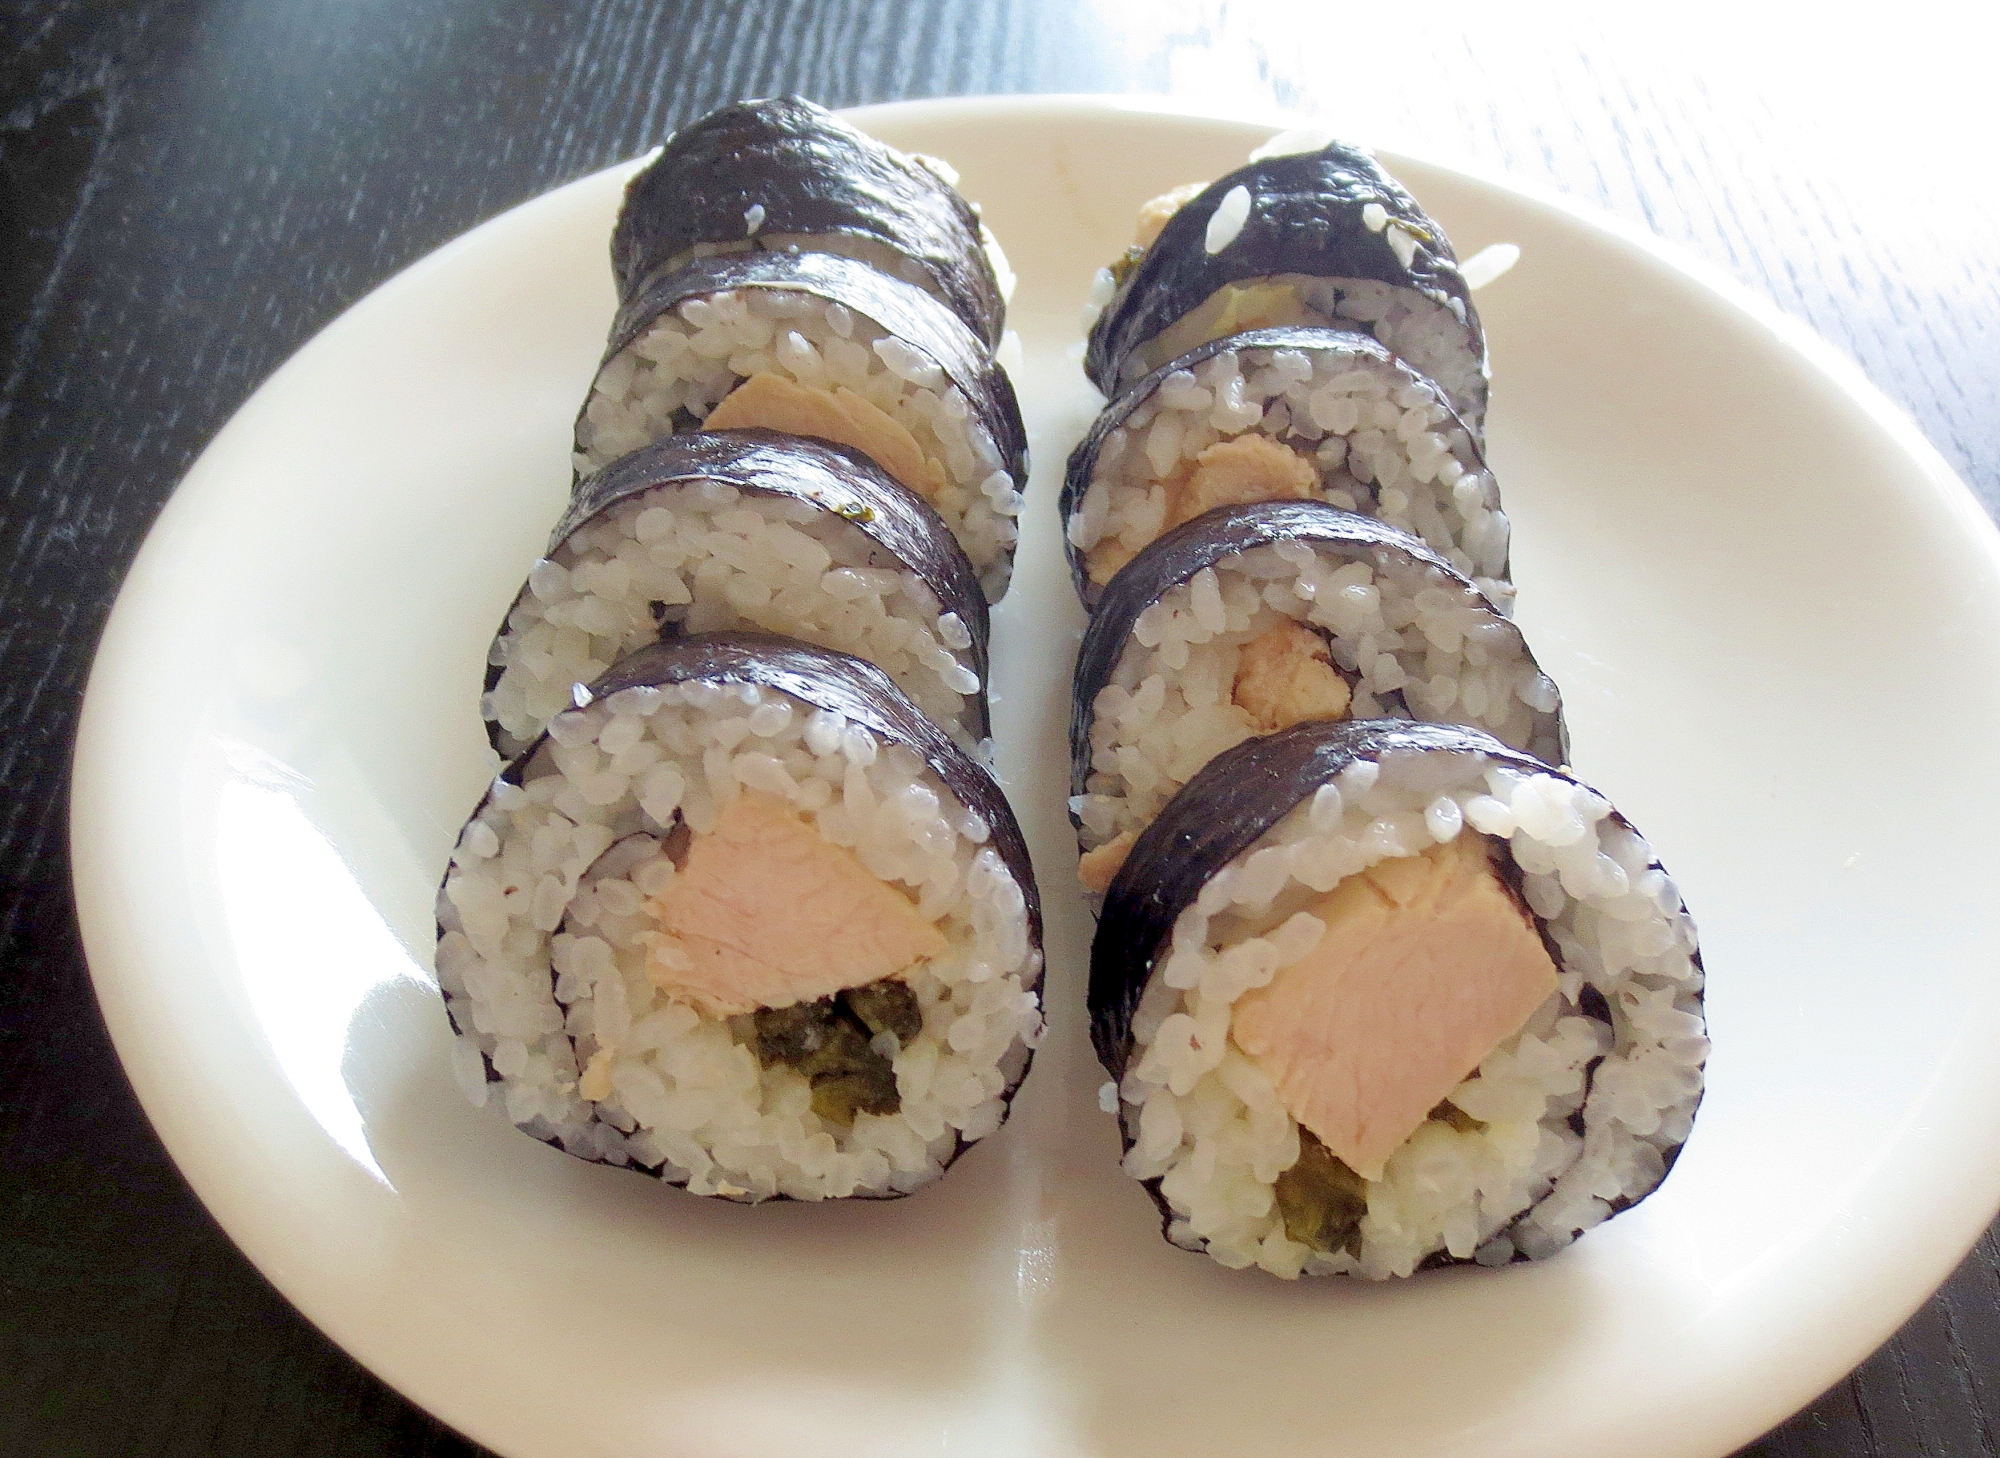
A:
{"x": 1155, "y": 211}
{"x": 1246, "y": 468}
{"x": 1285, "y": 676}
{"x": 1098, "y": 868}
{"x": 1235, "y": 308}
{"x": 766, "y": 912}
{"x": 1427, "y": 964}
{"x": 840, "y": 415}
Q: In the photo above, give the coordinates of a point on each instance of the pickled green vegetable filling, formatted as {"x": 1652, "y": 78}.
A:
{"x": 831, "y": 1044}
{"x": 887, "y": 1006}
{"x": 1122, "y": 266}
{"x": 1322, "y": 1200}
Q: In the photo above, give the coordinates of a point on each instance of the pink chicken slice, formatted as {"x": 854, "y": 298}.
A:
{"x": 1285, "y": 675}
{"x": 766, "y": 912}
{"x": 1428, "y": 963}
{"x": 838, "y": 415}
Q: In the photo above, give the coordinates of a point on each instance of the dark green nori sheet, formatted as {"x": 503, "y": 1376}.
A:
{"x": 1232, "y": 801}
{"x": 813, "y": 174}
{"x": 851, "y": 687}
{"x": 1173, "y": 558}
{"x": 1305, "y": 218}
{"x": 902, "y": 309}
{"x": 1366, "y": 350}
{"x": 805, "y": 469}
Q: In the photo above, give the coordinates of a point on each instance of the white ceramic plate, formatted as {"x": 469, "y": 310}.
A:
{"x": 1772, "y": 609}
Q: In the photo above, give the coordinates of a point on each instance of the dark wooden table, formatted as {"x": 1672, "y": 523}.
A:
{"x": 191, "y": 191}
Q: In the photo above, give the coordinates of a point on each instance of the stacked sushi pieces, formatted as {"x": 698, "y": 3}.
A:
{"x": 1380, "y": 984}
{"x": 744, "y": 909}
{"x": 778, "y": 268}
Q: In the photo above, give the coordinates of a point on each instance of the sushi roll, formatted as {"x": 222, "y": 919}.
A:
{"x": 1279, "y": 414}
{"x": 743, "y": 529}
{"x": 1250, "y": 619}
{"x": 1382, "y": 996}
{"x": 747, "y": 921}
{"x": 783, "y": 175}
{"x": 818, "y": 345}
{"x": 1320, "y": 237}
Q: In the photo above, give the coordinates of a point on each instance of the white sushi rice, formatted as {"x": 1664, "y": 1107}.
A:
{"x": 1383, "y": 446}
{"x": 1210, "y": 1126}
{"x": 682, "y": 366}
{"x": 711, "y": 556}
{"x": 1415, "y": 644}
{"x": 531, "y": 888}
{"x": 1435, "y": 339}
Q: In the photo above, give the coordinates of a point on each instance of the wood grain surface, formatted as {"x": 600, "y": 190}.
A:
{"x": 191, "y": 191}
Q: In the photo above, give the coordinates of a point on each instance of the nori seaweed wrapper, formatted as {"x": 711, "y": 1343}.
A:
{"x": 1305, "y": 218}
{"x": 1232, "y": 801}
{"x": 1306, "y": 338}
{"x": 1170, "y": 560}
{"x": 842, "y": 684}
{"x": 771, "y": 463}
{"x": 814, "y": 175}
{"x": 902, "y": 309}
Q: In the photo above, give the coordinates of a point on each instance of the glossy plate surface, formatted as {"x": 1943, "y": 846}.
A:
{"x": 1773, "y": 610}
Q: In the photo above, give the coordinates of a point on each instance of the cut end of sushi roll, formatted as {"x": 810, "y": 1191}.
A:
{"x": 1283, "y": 414}
{"x": 820, "y": 346}
{"x": 1383, "y": 996}
{"x": 744, "y": 529}
{"x": 748, "y": 922}
{"x": 1323, "y": 238}
{"x": 784, "y": 174}
{"x": 1253, "y": 618}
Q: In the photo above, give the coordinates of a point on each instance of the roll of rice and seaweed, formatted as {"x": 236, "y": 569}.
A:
{"x": 748, "y": 921}
{"x": 1381, "y": 996}
{"x": 784, "y": 175}
{"x": 1289, "y": 413}
{"x": 1322, "y": 237}
{"x": 751, "y": 530}
{"x": 1253, "y": 618}
{"x": 818, "y": 344}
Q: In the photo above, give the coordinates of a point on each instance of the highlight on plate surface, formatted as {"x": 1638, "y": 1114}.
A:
{"x": 1380, "y": 984}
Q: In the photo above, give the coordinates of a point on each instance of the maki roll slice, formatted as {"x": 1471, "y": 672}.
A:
{"x": 743, "y": 529}
{"x": 747, "y": 921}
{"x": 1385, "y": 996}
{"x": 785, "y": 176}
{"x": 1290, "y": 413}
{"x": 1321, "y": 237}
{"x": 1253, "y": 618}
{"x": 818, "y": 345}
